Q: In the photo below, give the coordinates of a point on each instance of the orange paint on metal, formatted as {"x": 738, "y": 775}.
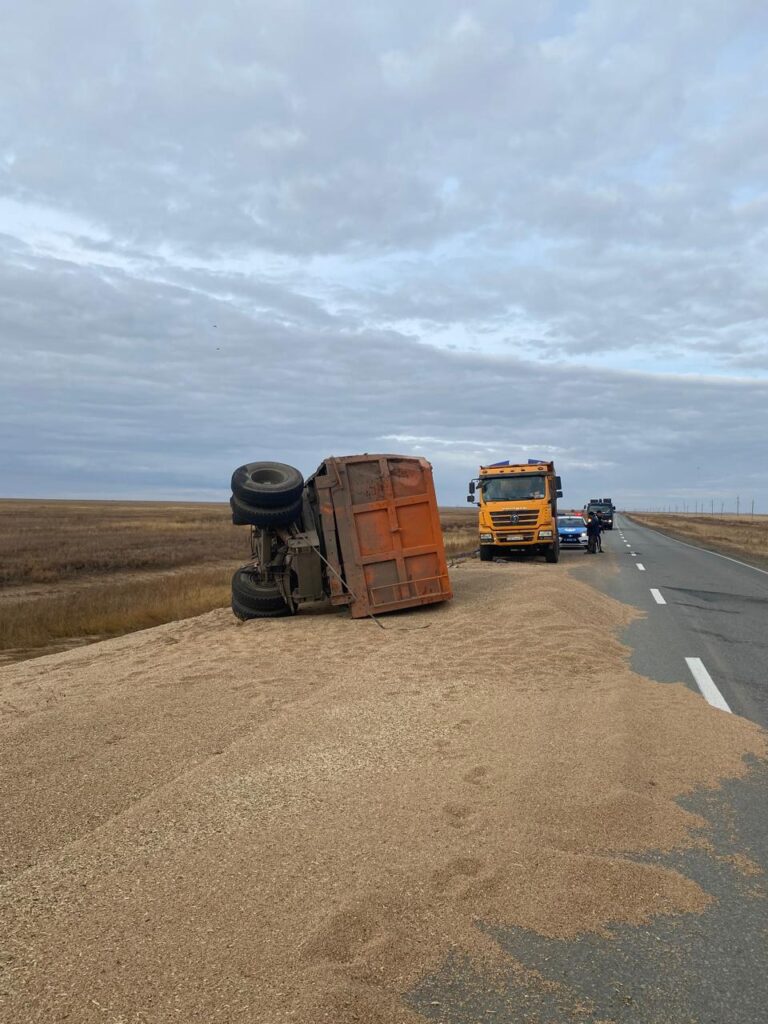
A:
{"x": 383, "y": 511}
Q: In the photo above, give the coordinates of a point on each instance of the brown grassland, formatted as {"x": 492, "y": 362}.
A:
{"x": 459, "y": 529}
{"x": 734, "y": 535}
{"x": 77, "y": 571}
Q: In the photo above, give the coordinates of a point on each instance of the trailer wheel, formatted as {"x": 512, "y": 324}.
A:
{"x": 486, "y": 552}
{"x": 247, "y": 515}
{"x": 267, "y": 484}
{"x": 253, "y": 598}
{"x": 243, "y": 613}
{"x": 240, "y": 518}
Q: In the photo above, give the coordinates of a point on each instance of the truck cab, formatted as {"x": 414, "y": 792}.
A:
{"x": 517, "y": 508}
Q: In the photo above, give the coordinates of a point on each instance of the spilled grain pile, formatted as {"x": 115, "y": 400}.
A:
{"x": 295, "y": 820}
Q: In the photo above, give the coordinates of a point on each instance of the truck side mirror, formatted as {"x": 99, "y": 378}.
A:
{"x": 558, "y": 484}
{"x": 559, "y": 494}
{"x": 471, "y": 499}
{"x": 472, "y": 487}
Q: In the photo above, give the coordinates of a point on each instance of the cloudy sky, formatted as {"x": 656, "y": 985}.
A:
{"x": 286, "y": 229}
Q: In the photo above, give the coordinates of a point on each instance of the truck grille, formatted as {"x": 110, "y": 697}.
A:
{"x": 518, "y": 517}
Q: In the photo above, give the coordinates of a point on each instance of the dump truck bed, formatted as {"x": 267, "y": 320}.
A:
{"x": 381, "y": 533}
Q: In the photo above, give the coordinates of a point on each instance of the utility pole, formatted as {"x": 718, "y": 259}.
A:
{"x": 737, "y": 504}
{"x": 712, "y": 503}
{"x": 752, "y": 513}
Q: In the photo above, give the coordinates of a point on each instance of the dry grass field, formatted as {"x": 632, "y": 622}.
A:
{"x": 77, "y": 571}
{"x": 51, "y": 541}
{"x": 459, "y": 529}
{"x": 736, "y": 535}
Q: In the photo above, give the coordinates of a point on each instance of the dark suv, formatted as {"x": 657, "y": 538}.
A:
{"x": 604, "y": 509}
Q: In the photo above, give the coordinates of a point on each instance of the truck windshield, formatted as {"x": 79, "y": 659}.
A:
{"x": 514, "y": 488}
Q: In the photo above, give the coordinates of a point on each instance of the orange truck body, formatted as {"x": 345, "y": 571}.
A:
{"x": 381, "y": 532}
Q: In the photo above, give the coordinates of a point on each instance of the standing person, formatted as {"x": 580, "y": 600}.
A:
{"x": 593, "y": 533}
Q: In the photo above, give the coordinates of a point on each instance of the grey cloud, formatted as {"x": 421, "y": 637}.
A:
{"x": 334, "y": 187}
{"x": 579, "y": 300}
{"x": 141, "y": 396}
{"x": 311, "y": 129}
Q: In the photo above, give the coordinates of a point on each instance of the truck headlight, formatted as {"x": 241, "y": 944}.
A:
{"x": 545, "y": 533}
{"x": 486, "y": 537}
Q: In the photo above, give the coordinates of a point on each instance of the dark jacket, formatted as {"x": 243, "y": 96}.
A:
{"x": 594, "y": 527}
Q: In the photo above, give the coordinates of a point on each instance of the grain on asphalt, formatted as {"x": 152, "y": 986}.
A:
{"x": 296, "y": 819}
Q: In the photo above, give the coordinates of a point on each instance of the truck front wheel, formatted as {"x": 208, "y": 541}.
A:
{"x": 486, "y": 552}
{"x": 552, "y": 554}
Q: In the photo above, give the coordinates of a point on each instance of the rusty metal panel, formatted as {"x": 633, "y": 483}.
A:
{"x": 390, "y": 543}
{"x": 325, "y": 482}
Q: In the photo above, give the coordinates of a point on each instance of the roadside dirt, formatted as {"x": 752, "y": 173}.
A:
{"x": 294, "y": 820}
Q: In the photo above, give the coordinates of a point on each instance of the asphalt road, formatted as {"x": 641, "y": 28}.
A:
{"x": 712, "y": 626}
{"x": 706, "y": 625}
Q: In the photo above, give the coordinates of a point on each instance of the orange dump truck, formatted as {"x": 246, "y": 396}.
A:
{"x": 363, "y": 530}
{"x": 517, "y": 506}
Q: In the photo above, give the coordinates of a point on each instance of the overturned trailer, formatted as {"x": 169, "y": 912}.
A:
{"x": 363, "y": 531}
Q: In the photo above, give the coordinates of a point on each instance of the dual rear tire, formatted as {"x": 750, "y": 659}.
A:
{"x": 266, "y": 495}
{"x": 248, "y": 515}
{"x": 267, "y": 484}
{"x": 253, "y": 598}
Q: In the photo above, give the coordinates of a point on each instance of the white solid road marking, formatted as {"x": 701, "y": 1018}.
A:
{"x": 657, "y": 596}
{"x": 640, "y": 566}
{"x": 704, "y": 681}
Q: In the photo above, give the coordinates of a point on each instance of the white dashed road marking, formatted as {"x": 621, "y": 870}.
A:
{"x": 706, "y": 685}
{"x": 657, "y": 597}
{"x": 640, "y": 566}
